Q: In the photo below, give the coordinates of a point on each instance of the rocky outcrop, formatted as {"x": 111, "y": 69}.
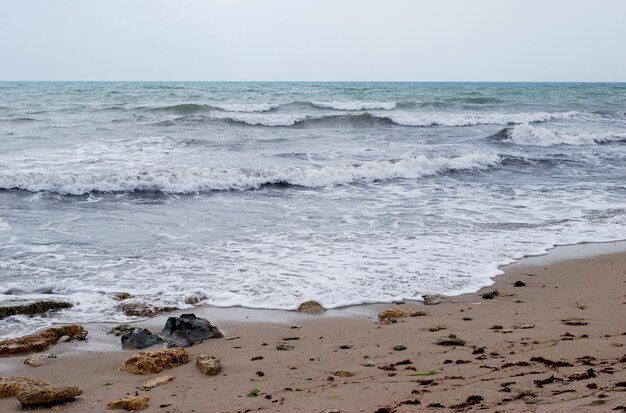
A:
{"x": 129, "y": 403}
{"x": 31, "y": 307}
{"x": 140, "y": 338}
{"x": 11, "y": 386}
{"x": 387, "y": 316}
{"x": 41, "y": 341}
{"x": 148, "y": 362}
{"x": 188, "y": 329}
{"x": 208, "y": 365}
{"x": 144, "y": 310}
{"x": 36, "y": 360}
{"x": 38, "y": 396}
{"x": 311, "y": 307}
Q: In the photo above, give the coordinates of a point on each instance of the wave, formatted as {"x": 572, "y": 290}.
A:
{"x": 400, "y": 119}
{"x": 192, "y": 108}
{"x": 526, "y": 134}
{"x": 196, "y": 180}
{"x": 355, "y": 105}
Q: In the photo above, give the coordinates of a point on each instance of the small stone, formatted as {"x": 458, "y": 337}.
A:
{"x": 209, "y": 365}
{"x": 121, "y": 329}
{"x": 451, "y": 340}
{"x": 506, "y": 331}
{"x": 311, "y": 307}
{"x": 433, "y": 299}
{"x": 232, "y": 338}
{"x": 36, "y": 360}
{"x": 157, "y": 381}
{"x": 344, "y": 373}
{"x": 519, "y": 284}
{"x": 399, "y": 347}
{"x": 129, "y": 403}
{"x": 582, "y": 375}
{"x": 369, "y": 363}
{"x": 37, "y": 396}
{"x": 418, "y": 313}
{"x": 575, "y": 322}
{"x": 527, "y": 326}
{"x": 490, "y": 295}
{"x": 122, "y": 296}
{"x": 284, "y": 347}
{"x": 346, "y": 346}
{"x": 386, "y": 316}
{"x": 64, "y": 339}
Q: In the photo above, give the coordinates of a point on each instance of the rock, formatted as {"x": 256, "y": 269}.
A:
{"x": 399, "y": 347}
{"x": 144, "y": 310}
{"x": 418, "y": 313}
{"x": 526, "y": 326}
{"x": 209, "y": 365}
{"x": 470, "y": 401}
{"x": 389, "y": 314}
{"x": 346, "y": 346}
{"x": 11, "y": 386}
{"x": 129, "y": 403}
{"x": 284, "y": 347}
{"x": 64, "y": 339}
{"x": 195, "y": 299}
{"x": 157, "y": 381}
{"x": 188, "y": 329}
{"x": 344, "y": 373}
{"x": 582, "y": 375}
{"x": 311, "y": 307}
{"x": 31, "y": 307}
{"x": 490, "y": 295}
{"x": 433, "y": 299}
{"x": 36, "y": 360}
{"x": 122, "y": 296}
{"x": 121, "y": 329}
{"x": 38, "y": 396}
{"x": 140, "y": 338}
{"x": 147, "y": 362}
{"x": 519, "y": 284}
{"x": 575, "y": 322}
{"x": 451, "y": 340}
{"x": 41, "y": 340}
{"x": 369, "y": 363}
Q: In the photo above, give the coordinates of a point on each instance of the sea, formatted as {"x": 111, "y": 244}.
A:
{"x": 265, "y": 195}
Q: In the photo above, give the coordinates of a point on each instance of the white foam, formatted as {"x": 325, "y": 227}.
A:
{"x": 526, "y": 134}
{"x": 4, "y": 226}
{"x": 182, "y": 179}
{"x": 355, "y": 105}
{"x": 256, "y": 119}
{"x": 469, "y": 119}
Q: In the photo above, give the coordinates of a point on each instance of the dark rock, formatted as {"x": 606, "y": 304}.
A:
{"x": 519, "y": 284}
{"x": 284, "y": 347}
{"x": 551, "y": 363}
{"x": 582, "y": 375}
{"x": 346, "y": 346}
{"x": 31, "y": 307}
{"x": 399, "y": 347}
{"x": 470, "y": 401}
{"x": 188, "y": 329}
{"x": 140, "y": 338}
{"x": 490, "y": 295}
{"x": 37, "y": 396}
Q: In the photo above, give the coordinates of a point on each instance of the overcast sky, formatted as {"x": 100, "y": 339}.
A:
{"x": 420, "y": 40}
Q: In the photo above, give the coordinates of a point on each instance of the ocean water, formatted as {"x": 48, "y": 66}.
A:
{"x": 265, "y": 195}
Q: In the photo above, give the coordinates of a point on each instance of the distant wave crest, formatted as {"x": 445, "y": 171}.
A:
{"x": 196, "y": 180}
{"x": 355, "y": 105}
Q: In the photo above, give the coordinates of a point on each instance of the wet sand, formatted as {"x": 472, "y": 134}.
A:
{"x": 507, "y": 366}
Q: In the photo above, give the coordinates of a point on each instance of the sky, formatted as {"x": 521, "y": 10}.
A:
{"x": 313, "y": 40}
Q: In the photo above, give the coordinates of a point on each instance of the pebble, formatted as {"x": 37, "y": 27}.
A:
{"x": 399, "y": 347}
{"x": 64, "y": 339}
{"x": 284, "y": 347}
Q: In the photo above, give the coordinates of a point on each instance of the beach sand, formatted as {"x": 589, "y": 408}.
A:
{"x": 500, "y": 365}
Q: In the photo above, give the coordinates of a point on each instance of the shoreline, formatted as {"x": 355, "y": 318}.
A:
{"x": 560, "y": 285}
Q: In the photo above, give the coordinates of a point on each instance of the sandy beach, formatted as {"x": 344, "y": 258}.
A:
{"x": 519, "y": 355}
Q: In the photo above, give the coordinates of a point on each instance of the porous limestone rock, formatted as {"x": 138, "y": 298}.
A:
{"x": 148, "y": 362}
{"x": 129, "y": 403}
{"x": 208, "y": 365}
{"x": 311, "y": 307}
{"x": 38, "y": 396}
{"x": 41, "y": 340}
{"x": 389, "y": 314}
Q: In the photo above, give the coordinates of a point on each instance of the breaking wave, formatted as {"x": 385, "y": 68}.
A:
{"x": 355, "y": 105}
{"x": 526, "y": 134}
{"x": 192, "y": 108}
{"x": 197, "y": 180}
